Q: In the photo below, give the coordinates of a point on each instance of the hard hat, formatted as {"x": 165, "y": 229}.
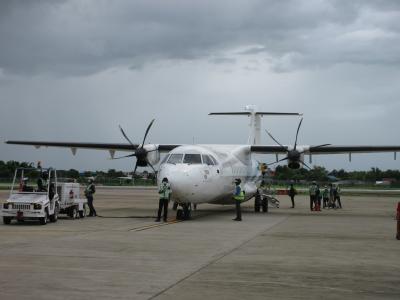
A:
{"x": 91, "y": 179}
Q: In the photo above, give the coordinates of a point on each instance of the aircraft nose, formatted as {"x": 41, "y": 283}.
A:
{"x": 184, "y": 184}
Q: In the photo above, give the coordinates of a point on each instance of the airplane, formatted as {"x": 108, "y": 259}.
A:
{"x": 205, "y": 173}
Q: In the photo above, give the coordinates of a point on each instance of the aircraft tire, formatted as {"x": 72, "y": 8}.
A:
{"x": 179, "y": 214}
{"x": 186, "y": 211}
{"x": 264, "y": 204}
{"x": 257, "y": 203}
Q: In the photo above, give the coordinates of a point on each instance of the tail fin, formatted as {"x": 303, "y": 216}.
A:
{"x": 255, "y": 121}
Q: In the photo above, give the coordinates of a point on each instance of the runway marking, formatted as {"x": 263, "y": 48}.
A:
{"x": 147, "y": 227}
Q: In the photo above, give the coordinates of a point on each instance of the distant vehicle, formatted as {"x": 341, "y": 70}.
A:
{"x": 38, "y": 201}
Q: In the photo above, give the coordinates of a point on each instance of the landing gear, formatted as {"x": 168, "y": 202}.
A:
{"x": 264, "y": 204}
{"x": 257, "y": 202}
{"x": 184, "y": 213}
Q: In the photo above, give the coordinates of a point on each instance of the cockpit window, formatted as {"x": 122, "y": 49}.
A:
{"x": 164, "y": 159}
{"x": 175, "y": 159}
{"x": 214, "y": 160}
{"x": 192, "y": 159}
{"x": 207, "y": 160}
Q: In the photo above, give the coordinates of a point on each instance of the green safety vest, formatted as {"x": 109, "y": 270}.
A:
{"x": 239, "y": 197}
{"x": 313, "y": 190}
{"x": 165, "y": 191}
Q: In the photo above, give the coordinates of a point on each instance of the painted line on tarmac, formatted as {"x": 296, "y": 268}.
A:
{"x": 147, "y": 227}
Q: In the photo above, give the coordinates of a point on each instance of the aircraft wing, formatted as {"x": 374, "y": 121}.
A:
{"x": 332, "y": 149}
{"x": 326, "y": 149}
{"x": 97, "y": 146}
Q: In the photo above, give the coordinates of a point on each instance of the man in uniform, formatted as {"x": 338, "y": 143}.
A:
{"x": 238, "y": 196}
{"x": 165, "y": 194}
{"x": 89, "y": 191}
{"x": 313, "y": 195}
{"x": 292, "y": 193}
{"x": 336, "y": 195}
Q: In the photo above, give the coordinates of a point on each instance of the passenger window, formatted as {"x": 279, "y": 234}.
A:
{"x": 175, "y": 159}
{"x": 207, "y": 160}
{"x": 164, "y": 159}
{"x": 192, "y": 159}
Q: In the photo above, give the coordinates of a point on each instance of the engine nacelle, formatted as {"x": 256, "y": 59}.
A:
{"x": 153, "y": 155}
{"x": 295, "y": 159}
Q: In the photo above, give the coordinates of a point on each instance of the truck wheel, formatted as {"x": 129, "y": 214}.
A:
{"x": 54, "y": 217}
{"x": 43, "y": 221}
{"x": 74, "y": 213}
{"x": 7, "y": 220}
{"x": 82, "y": 213}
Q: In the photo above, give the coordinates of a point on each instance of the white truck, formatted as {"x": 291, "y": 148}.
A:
{"x": 32, "y": 202}
{"x": 42, "y": 201}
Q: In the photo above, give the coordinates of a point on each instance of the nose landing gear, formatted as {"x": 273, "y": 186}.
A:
{"x": 184, "y": 213}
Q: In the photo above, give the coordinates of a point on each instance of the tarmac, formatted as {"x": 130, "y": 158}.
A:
{"x": 349, "y": 253}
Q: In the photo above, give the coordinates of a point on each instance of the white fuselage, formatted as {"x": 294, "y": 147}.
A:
{"x": 201, "y": 182}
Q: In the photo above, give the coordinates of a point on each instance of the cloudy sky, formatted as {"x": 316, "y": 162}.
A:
{"x": 75, "y": 70}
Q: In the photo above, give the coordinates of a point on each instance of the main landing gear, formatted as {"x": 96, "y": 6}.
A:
{"x": 260, "y": 203}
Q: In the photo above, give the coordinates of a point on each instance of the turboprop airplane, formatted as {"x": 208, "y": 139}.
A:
{"x": 205, "y": 173}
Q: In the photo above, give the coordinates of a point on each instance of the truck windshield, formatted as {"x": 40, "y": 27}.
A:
{"x": 32, "y": 180}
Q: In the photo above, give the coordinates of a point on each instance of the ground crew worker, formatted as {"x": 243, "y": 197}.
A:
{"x": 325, "y": 196}
{"x": 313, "y": 195}
{"x": 165, "y": 194}
{"x": 398, "y": 221}
{"x": 89, "y": 191}
{"x": 336, "y": 193}
{"x": 238, "y": 196}
{"x": 331, "y": 196}
{"x": 318, "y": 199}
{"x": 41, "y": 182}
{"x": 292, "y": 193}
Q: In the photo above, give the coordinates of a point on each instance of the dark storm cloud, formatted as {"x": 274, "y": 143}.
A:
{"x": 84, "y": 37}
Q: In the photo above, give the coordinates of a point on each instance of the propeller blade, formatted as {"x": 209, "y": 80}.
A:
{"x": 275, "y": 162}
{"x": 134, "y": 171}
{"x": 297, "y": 133}
{"x": 147, "y": 131}
{"x": 125, "y": 136}
{"x": 151, "y": 166}
{"x": 270, "y": 135}
{"x": 304, "y": 164}
{"x": 130, "y": 155}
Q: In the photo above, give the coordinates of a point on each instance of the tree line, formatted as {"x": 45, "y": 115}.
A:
{"x": 321, "y": 174}
{"x": 318, "y": 173}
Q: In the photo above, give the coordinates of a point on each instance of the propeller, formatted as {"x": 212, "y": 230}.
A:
{"x": 140, "y": 152}
{"x": 293, "y": 155}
